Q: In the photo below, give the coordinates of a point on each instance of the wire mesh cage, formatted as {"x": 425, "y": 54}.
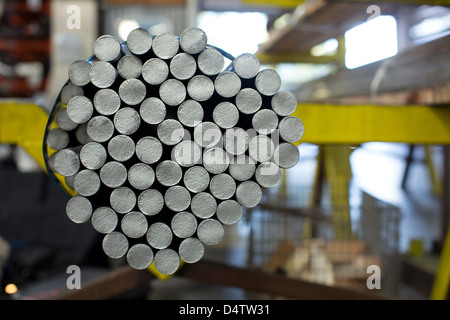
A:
{"x": 338, "y": 242}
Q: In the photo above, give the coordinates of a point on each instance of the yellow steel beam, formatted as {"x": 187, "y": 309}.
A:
{"x": 354, "y": 124}
{"x": 287, "y": 4}
{"x": 23, "y": 123}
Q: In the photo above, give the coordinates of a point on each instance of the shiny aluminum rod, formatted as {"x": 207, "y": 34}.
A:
{"x": 159, "y": 235}
{"x": 140, "y": 256}
{"x": 150, "y": 202}
{"x": 113, "y": 174}
{"x": 134, "y": 224}
{"x": 122, "y": 199}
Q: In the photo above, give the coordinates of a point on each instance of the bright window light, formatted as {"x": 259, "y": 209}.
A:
{"x": 234, "y": 32}
{"x": 371, "y": 41}
{"x": 126, "y": 26}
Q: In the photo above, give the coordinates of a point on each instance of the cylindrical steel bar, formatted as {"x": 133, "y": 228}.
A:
{"x": 193, "y": 40}
{"x": 150, "y": 202}
{"x": 159, "y": 235}
{"x": 57, "y": 139}
{"x": 190, "y": 113}
{"x": 183, "y": 66}
{"x": 153, "y": 110}
{"x": 172, "y": 92}
{"x": 268, "y": 82}
{"x": 64, "y": 121}
{"x": 79, "y": 209}
{"x": 291, "y": 129}
{"x": 141, "y": 176}
{"x": 107, "y": 102}
{"x": 268, "y": 175}
{"x": 168, "y": 173}
{"x": 129, "y": 67}
{"x": 170, "y": 132}
{"x": 140, "y": 256}
{"x": 248, "y": 194}
{"x": 104, "y": 220}
{"x": 115, "y": 244}
{"x": 79, "y": 72}
{"x": 149, "y": 149}
{"x": 286, "y": 155}
{"x": 210, "y": 61}
{"x": 242, "y": 167}
{"x": 167, "y": 261}
{"x": 81, "y": 134}
{"x": 113, "y": 174}
{"x": 155, "y": 71}
{"x": 100, "y": 129}
{"x": 177, "y": 198}
{"x": 236, "y": 141}
{"x": 207, "y": 134}
{"x": 166, "y": 45}
{"x": 69, "y": 181}
{"x": 121, "y": 148}
{"x": 200, "y": 88}
{"x": 93, "y": 155}
{"x": 187, "y": 153}
{"x": 66, "y": 162}
{"x": 284, "y": 103}
{"x": 227, "y": 84}
{"x": 122, "y": 199}
{"x": 134, "y": 224}
{"x": 80, "y": 109}
{"x": 215, "y": 160}
{"x": 229, "y": 212}
{"x": 87, "y": 182}
{"x": 132, "y": 91}
{"x": 196, "y": 179}
{"x": 183, "y": 224}
{"x": 261, "y": 148}
{"x": 69, "y": 91}
{"x": 246, "y": 65}
{"x": 210, "y": 231}
{"x": 203, "y": 205}
{"x": 107, "y": 48}
{"x": 222, "y": 186}
{"x": 265, "y": 121}
{"x": 226, "y": 115}
{"x": 102, "y": 74}
{"x": 191, "y": 250}
{"x": 127, "y": 120}
{"x": 248, "y": 101}
{"x": 139, "y": 41}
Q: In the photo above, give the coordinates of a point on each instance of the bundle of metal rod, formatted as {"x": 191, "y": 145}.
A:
{"x": 163, "y": 147}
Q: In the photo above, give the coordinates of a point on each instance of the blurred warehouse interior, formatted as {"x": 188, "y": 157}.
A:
{"x": 388, "y": 200}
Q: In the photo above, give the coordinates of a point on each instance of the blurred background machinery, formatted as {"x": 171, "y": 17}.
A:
{"x": 373, "y": 183}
